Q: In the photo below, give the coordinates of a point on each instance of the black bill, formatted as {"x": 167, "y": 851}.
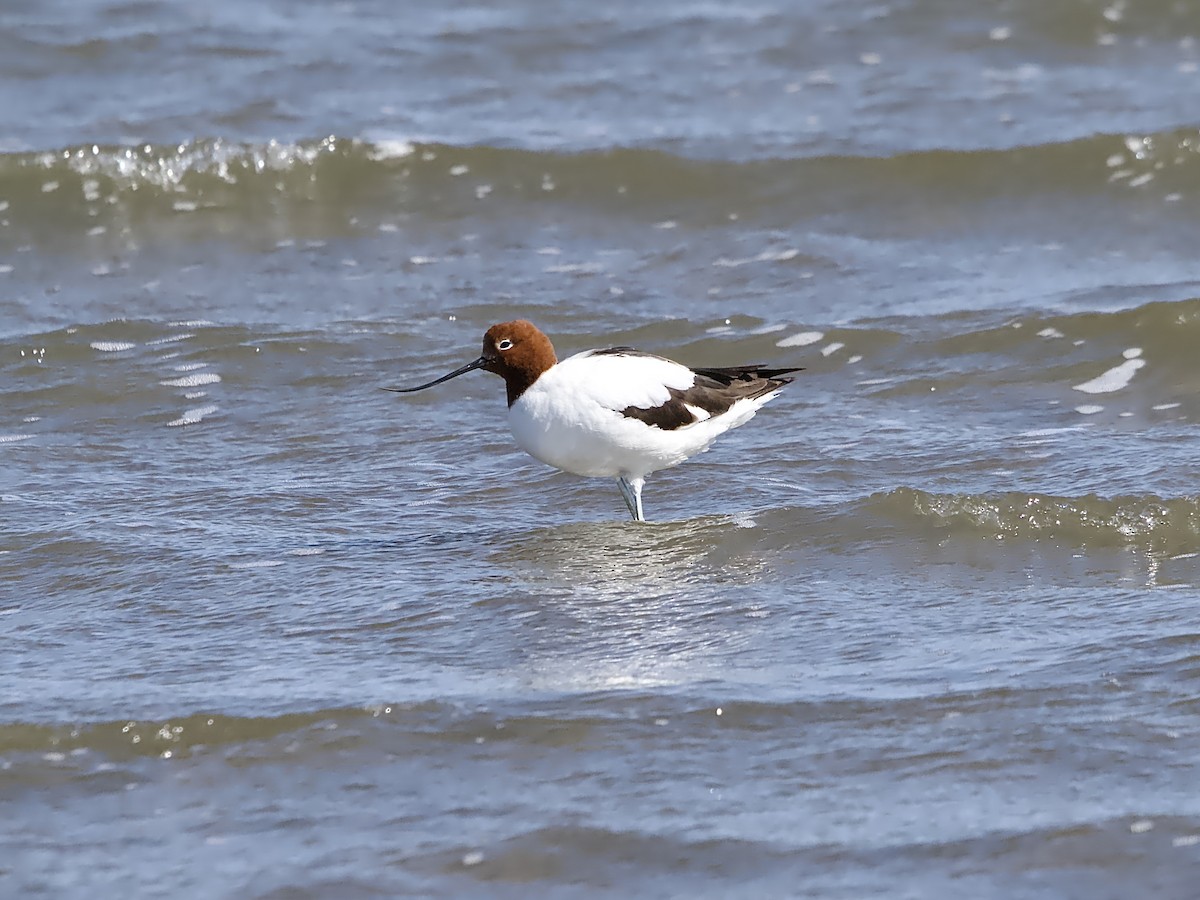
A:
{"x": 479, "y": 363}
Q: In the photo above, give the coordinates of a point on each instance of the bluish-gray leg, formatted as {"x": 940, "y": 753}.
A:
{"x": 631, "y": 491}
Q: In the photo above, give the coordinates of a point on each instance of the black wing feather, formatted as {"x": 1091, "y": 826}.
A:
{"x": 714, "y": 391}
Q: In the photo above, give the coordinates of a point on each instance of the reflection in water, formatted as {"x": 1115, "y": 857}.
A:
{"x": 626, "y": 606}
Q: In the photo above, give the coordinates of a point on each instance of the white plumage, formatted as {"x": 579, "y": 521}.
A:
{"x": 570, "y": 418}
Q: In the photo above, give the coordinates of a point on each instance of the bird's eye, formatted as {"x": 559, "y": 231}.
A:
{"x": 505, "y": 344}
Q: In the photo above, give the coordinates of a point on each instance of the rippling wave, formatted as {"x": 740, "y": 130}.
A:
{"x": 1166, "y": 524}
{"x": 574, "y": 720}
{"x": 84, "y": 187}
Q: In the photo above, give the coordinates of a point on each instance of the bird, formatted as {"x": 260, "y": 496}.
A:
{"x": 615, "y": 412}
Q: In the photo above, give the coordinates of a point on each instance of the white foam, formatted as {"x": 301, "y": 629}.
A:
{"x": 766, "y": 256}
{"x": 1046, "y": 432}
{"x": 391, "y": 149}
{"x": 801, "y": 339}
{"x": 170, "y": 339}
{"x": 1164, "y": 406}
{"x": 192, "y": 416}
{"x": 13, "y": 438}
{"x": 195, "y": 380}
{"x": 832, "y": 348}
{"x": 112, "y": 346}
{"x": 190, "y": 367}
{"x": 589, "y": 268}
{"x": 1112, "y": 380}
{"x": 1089, "y": 410}
{"x": 1132, "y": 353}
{"x": 1050, "y": 333}
{"x": 1136, "y": 145}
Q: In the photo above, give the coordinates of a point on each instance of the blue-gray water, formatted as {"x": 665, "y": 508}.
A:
{"x": 925, "y": 628}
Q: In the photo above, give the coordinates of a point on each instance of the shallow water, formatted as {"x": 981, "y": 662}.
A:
{"x": 924, "y": 628}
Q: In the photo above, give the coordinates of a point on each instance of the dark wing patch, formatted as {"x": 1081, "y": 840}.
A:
{"x": 620, "y": 351}
{"x": 671, "y": 415}
{"x": 714, "y": 391}
{"x": 751, "y": 374}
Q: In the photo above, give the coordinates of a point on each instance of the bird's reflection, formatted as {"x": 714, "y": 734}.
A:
{"x": 614, "y": 606}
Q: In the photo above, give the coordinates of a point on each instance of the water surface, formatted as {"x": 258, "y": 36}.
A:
{"x": 924, "y": 628}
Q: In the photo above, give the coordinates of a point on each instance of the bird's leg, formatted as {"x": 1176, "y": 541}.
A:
{"x": 636, "y": 484}
{"x": 631, "y": 491}
{"x": 627, "y": 496}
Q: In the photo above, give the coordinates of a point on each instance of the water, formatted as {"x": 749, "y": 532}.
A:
{"x": 924, "y": 628}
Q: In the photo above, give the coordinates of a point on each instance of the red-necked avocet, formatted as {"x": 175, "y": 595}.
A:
{"x": 616, "y": 413}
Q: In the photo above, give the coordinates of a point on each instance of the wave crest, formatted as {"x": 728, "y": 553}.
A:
{"x": 1164, "y": 524}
